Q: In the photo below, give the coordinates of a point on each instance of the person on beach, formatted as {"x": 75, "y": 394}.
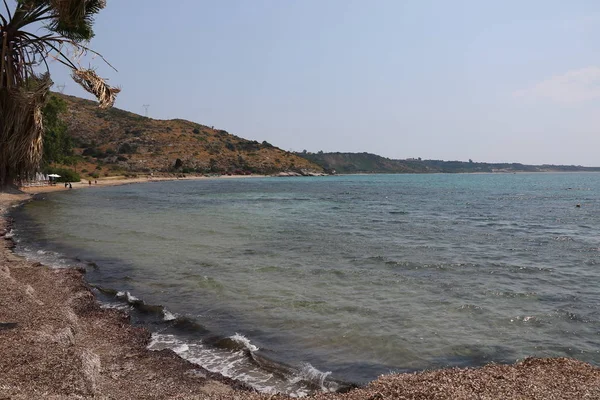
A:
{"x": 70, "y": 186}
{"x": 95, "y": 182}
{"x": 90, "y": 183}
{"x": 66, "y": 184}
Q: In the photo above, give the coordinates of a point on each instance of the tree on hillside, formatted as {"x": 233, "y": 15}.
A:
{"x": 24, "y": 75}
{"x": 58, "y": 145}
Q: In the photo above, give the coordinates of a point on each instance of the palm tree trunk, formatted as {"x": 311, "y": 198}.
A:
{"x": 21, "y": 131}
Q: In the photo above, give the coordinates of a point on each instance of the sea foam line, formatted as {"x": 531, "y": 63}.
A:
{"x": 237, "y": 365}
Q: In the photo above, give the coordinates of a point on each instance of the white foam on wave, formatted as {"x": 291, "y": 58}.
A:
{"x": 168, "y": 316}
{"x": 115, "y": 306}
{"x": 127, "y": 296}
{"x": 49, "y": 258}
{"x": 525, "y": 318}
{"x": 236, "y": 365}
{"x": 312, "y": 374}
{"x": 241, "y": 339}
{"x": 182, "y": 348}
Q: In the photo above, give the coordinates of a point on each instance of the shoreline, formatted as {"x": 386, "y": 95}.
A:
{"x": 120, "y": 181}
{"x": 56, "y": 334}
{"x": 64, "y": 342}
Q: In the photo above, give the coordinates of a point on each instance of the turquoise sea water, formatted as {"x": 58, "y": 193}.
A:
{"x": 277, "y": 281}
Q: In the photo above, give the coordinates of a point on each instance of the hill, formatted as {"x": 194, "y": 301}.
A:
{"x": 115, "y": 142}
{"x": 352, "y": 163}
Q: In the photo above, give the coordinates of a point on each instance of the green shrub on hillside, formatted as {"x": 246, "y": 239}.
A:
{"x": 91, "y": 151}
{"x": 230, "y": 146}
{"x": 127, "y": 148}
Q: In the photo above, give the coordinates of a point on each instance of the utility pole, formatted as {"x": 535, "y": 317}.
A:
{"x": 146, "y": 107}
{"x": 61, "y": 88}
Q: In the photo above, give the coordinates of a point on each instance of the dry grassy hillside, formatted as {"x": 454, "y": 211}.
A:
{"x": 114, "y": 142}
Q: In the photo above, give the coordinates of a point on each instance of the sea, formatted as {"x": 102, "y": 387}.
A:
{"x": 304, "y": 284}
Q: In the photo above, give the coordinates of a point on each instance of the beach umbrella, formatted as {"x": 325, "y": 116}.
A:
{"x": 53, "y": 176}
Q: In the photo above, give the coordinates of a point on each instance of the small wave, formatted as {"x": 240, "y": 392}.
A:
{"x": 244, "y": 341}
{"x": 549, "y": 318}
{"x": 563, "y": 238}
{"x": 168, "y": 316}
{"x": 127, "y": 296}
{"x": 188, "y": 325}
{"x": 527, "y": 319}
{"x": 239, "y": 360}
{"x": 571, "y": 316}
{"x": 129, "y": 301}
{"x": 316, "y": 377}
{"x": 513, "y": 295}
{"x": 232, "y": 364}
{"x": 471, "y": 308}
{"x": 48, "y": 258}
{"x": 115, "y": 306}
{"x": 106, "y": 291}
{"x": 270, "y": 268}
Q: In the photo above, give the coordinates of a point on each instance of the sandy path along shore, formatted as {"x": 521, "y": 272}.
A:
{"x": 120, "y": 180}
{"x": 56, "y": 342}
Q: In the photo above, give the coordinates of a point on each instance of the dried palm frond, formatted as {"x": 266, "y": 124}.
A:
{"x": 97, "y": 86}
{"x": 22, "y": 129}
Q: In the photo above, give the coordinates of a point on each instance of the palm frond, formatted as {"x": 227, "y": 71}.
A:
{"x": 73, "y": 19}
{"x": 22, "y": 129}
{"x": 97, "y": 86}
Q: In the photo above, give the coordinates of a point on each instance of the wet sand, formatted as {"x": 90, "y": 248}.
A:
{"x": 56, "y": 342}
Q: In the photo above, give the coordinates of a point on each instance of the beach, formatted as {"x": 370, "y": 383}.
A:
{"x": 58, "y": 342}
{"x": 120, "y": 180}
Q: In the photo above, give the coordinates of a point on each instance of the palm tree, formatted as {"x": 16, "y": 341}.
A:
{"x": 24, "y": 75}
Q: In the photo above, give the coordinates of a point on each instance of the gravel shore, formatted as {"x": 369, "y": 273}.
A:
{"x": 56, "y": 342}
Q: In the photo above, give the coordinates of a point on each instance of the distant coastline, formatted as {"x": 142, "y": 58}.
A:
{"x": 367, "y": 163}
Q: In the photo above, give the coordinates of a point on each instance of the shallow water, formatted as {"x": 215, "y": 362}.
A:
{"x": 356, "y": 275}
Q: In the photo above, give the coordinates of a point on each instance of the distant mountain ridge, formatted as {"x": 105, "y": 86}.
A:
{"x": 114, "y": 141}
{"x": 353, "y": 163}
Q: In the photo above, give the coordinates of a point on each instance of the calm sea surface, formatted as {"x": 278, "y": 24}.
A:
{"x": 278, "y": 281}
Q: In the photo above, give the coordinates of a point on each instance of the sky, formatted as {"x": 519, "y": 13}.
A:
{"x": 491, "y": 81}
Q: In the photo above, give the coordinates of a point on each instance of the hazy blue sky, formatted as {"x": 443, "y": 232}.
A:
{"x": 488, "y": 80}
